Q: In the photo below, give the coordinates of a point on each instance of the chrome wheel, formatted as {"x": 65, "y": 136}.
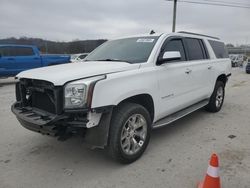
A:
{"x": 219, "y": 97}
{"x": 133, "y": 134}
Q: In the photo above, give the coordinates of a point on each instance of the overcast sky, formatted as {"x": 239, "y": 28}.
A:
{"x": 66, "y": 20}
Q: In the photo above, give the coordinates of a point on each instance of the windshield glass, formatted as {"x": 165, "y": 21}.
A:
{"x": 131, "y": 50}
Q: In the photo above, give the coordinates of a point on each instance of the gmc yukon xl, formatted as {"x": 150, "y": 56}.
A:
{"x": 124, "y": 89}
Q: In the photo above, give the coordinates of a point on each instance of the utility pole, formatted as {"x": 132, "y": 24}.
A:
{"x": 174, "y": 16}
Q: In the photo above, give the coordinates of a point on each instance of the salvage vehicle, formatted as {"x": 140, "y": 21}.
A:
{"x": 17, "y": 58}
{"x": 125, "y": 88}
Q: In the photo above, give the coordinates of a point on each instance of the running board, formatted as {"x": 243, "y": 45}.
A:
{"x": 177, "y": 115}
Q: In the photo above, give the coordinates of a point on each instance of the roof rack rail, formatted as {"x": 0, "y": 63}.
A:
{"x": 184, "y": 32}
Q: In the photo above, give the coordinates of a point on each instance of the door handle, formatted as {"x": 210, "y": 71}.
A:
{"x": 188, "y": 71}
{"x": 210, "y": 67}
{"x": 11, "y": 58}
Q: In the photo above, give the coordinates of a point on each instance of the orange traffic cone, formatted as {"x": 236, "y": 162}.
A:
{"x": 212, "y": 179}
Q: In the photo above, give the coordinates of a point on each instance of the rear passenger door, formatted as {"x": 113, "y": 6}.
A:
{"x": 200, "y": 68}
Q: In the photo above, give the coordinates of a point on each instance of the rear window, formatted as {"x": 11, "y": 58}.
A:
{"x": 219, "y": 49}
{"x": 195, "y": 49}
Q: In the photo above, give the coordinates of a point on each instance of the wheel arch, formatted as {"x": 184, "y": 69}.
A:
{"x": 222, "y": 78}
{"x": 146, "y": 100}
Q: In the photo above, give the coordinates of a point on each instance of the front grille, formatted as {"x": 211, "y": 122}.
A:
{"x": 44, "y": 101}
{"x": 40, "y": 94}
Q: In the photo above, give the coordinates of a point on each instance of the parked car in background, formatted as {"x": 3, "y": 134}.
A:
{"x": 237, "y": 60}
{"x": 248, "y": 67}
{"x": 18, "y": 58}
{"x": 125, "y": 88}
{"x": 78, "y": 57}
{"x": 234, "y": 60}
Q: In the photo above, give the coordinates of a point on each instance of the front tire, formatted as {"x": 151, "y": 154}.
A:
{"x": 129, "y": 132}
{"x": 217, "y": 98}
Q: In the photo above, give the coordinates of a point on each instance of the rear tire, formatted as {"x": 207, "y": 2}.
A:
{"x": 217, "y": 98}
{"x": 129, "y": 132}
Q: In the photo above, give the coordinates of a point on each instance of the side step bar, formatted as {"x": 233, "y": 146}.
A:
{"x": 177, "y": 115}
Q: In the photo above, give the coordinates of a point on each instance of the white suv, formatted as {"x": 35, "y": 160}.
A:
{"x": 125, "y": 88}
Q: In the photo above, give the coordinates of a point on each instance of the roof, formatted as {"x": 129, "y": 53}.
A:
{"x": 180, "y": 33}
{"x": 197, "y": 34}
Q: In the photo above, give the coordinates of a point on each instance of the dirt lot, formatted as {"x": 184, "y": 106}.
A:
{"x": 177, "y": 155}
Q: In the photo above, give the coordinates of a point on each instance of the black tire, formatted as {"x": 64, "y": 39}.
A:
{"x": 213, "y": 105}
{"x": 120, "y": 116}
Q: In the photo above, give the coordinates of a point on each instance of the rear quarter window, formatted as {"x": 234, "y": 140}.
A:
{"x": 219, "y": 49}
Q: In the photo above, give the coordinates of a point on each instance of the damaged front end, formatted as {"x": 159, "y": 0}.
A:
{"x": 39, "y": 107}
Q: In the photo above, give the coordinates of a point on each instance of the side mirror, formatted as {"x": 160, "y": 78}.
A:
{"x": 170, "y": 56}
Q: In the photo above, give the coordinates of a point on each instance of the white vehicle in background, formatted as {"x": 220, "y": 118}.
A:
{"x": 125, "y": 88}
{"x": 236, "y": 59}
{"x": 74, "y": 58}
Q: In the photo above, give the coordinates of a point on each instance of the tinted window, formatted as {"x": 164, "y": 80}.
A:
{"x": 16, "y": 51}
{"x": 132, "y": 50}
{"x": 194, "y": 47}
{"x": 219, "y": 49}
{"x": 175, "y": 45}
{"x": 23, "y": 51}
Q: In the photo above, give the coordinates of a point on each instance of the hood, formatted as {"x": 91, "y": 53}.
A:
{"x": 60, "y": 74}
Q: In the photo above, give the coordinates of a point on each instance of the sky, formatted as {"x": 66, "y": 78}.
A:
{"x": 67, "y": 20}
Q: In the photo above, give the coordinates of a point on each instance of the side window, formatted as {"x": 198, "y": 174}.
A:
{"x": 195, "y": 49}
{"x": 219, "y": 49}
{"x": 23, "y": 51}
{"x": 175, "y": 45}
{"x": 4, "y": 51}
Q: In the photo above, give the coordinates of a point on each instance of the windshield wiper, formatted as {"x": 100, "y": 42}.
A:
{"x": 109, "y": 59}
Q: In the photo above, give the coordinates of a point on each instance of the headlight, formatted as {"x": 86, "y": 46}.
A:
{"x": 78, "y": 93}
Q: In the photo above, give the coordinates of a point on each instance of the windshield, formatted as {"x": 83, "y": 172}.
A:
{"x": 131, "y": 50}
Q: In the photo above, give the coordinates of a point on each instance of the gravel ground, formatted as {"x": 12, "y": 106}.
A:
{"x": 177, "y": 155}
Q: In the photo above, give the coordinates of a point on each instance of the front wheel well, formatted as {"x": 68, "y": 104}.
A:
{"x": 222, "y": 78}
{"x": 145, "y": 100}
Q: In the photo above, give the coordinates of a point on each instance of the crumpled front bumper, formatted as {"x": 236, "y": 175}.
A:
{"x": 37, "y": 120}
{"x": 63, "y": 125}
